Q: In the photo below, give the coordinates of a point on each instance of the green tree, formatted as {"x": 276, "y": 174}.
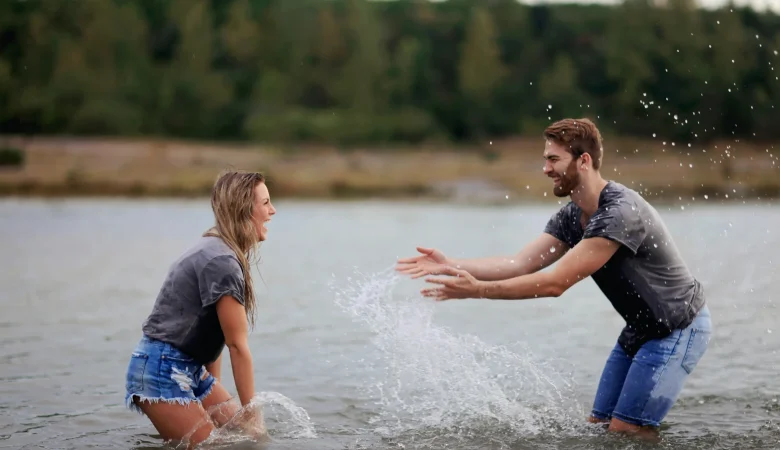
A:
{"x": 480, "y": 68}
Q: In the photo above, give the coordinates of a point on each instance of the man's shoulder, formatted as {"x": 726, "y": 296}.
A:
{"x": 569, "y": 209}
{"x": 617, "y": 195}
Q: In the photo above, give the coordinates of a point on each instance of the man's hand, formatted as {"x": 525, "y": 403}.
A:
{"x": 460, "y": 284}
{"x": 427, "y": 263}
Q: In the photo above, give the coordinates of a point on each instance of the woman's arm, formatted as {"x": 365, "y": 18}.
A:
{"x": 215, "y": 368}
{"x": 232, "y": 318}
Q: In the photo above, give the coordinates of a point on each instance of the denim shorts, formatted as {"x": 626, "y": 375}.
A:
{"x": 159, "y": 372}
{"x": 641, "y": 390}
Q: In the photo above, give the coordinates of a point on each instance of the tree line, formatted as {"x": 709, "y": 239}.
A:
{"x": 350, "y": 72}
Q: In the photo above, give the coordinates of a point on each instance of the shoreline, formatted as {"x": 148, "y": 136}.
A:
{"x": 70, "y": 167}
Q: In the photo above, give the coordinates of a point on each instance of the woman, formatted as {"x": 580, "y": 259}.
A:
{"x": 206, "y": 303}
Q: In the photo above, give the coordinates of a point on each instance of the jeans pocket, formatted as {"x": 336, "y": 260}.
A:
{"x": 697, "y": 346}
{"x": 135, "y": 372}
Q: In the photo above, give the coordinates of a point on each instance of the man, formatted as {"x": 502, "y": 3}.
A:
{"x": 610, "y": 233}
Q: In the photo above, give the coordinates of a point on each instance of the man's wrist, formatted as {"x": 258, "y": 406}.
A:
{"x": 485, "y": 288}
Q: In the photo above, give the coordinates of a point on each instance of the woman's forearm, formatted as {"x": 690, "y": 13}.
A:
{"x": 215, "y": 368}
{"x": 243, "y": 373}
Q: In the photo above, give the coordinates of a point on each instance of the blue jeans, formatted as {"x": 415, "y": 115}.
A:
{"x": 159, "y": 372}
{"x": 641, "y": 390}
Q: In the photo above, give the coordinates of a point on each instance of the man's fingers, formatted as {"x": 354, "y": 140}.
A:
{"x": 437, "y": 294}
{"x": 443, "y": 281}
{"x": 448, "y": 270}
{"x": 410, "y": 260}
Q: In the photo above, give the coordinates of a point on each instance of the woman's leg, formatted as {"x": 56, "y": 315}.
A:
{"x": 186, "y": 423}
{"x": 220, "y": 405}
{"x": 225, "y": 410}
{"x": 166, "y": 386}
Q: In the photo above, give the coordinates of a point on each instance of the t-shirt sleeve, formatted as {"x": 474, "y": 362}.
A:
{"x": 620, "y": 222}
{"x": 221, "y": 276}
{"x": 558, "y": 225}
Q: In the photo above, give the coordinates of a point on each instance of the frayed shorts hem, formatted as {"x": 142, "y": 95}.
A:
{"x": 158, "y": 372}
{"x": 184, "y": 401}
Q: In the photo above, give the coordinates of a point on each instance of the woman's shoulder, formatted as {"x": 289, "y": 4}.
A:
{"x": 211, "y": 252}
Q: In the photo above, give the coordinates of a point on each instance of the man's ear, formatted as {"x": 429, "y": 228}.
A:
{"x": 584, "y": 159}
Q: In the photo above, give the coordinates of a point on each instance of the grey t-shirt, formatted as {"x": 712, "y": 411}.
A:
{"x": 185, "y": 313}
{"x": 646, "y": 280}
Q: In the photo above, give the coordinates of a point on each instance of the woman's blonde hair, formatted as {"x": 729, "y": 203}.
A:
{"x": 232, "y": 200}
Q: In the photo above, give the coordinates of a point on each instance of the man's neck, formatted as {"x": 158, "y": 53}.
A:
{"x": 586, "y": 196}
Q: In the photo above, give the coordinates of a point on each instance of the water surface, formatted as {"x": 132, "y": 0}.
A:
{"x": 349, "y": 357}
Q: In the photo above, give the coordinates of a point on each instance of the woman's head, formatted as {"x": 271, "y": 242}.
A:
{"x": 241, "y": 205}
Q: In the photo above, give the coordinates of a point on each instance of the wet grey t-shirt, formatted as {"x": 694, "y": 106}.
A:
{"x": 185, "y": 313}
{"x": 646, "y": 280}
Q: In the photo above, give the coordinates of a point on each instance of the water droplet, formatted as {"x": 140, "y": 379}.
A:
{"x": 552, "y": 249}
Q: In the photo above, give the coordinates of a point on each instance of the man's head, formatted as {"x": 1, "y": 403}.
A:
{"x": 572, "y": 150}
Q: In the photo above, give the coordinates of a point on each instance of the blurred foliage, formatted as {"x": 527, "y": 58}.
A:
{"x": 350, "y": 72}
{"x": 11, "y": 157}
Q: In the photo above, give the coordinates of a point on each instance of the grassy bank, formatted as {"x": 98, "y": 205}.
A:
{"x": 59, "y": 166}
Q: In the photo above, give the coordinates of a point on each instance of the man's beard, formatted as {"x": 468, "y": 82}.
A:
{"x": 569, "y": 181}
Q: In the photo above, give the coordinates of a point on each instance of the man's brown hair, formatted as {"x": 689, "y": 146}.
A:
{"x": 578, "y": 136}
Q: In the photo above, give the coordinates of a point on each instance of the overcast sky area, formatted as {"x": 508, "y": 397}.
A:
{"x": 759, "y": 5}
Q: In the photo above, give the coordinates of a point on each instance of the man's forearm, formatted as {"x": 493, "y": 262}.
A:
{"x": 489, "y": 269}
{"x": 540, "y": 284}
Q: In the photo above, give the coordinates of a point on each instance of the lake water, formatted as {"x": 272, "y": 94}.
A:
{"x": 347, "y": 356}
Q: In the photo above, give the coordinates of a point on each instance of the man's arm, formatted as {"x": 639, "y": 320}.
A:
{"x": 579, "y": 263}
{"x": 535, "y": 256}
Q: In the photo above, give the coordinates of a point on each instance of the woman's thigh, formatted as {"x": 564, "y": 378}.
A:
{"x": 220, "y": 405}
{"x": 176, "y": 422}
{"x": 168, "y": 387}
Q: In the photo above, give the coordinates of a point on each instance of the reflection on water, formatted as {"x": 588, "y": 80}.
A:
{"x": 346, "y": 356}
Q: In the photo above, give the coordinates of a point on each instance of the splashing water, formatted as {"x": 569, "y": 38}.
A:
{"x": 434, "y": 384}
{"x": 268, "y": 416}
